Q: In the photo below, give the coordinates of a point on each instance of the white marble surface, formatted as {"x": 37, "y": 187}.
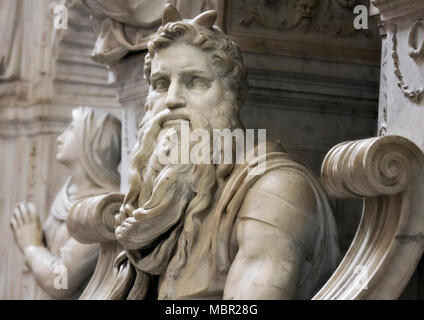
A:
{"x": 213, "y": 237}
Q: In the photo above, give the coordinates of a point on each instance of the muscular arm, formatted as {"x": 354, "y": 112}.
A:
{"x": 76, "y": 260}
{"x": 274, "y": 230}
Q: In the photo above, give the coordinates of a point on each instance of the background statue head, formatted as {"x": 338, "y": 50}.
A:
{"x": 93, "y": 139}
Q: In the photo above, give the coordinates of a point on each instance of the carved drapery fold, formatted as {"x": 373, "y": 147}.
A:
{"x": 388, "y": 172}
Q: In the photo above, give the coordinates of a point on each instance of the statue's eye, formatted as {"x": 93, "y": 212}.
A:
{"x": 199, "y": 83}
{"x": 161, "y": 85}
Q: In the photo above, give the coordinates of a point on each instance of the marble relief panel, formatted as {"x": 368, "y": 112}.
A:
{"x": 301, "y": 21}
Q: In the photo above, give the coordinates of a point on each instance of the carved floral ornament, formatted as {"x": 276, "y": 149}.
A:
{"x": 414, "y": 94}
{"x": 414, "y": 50}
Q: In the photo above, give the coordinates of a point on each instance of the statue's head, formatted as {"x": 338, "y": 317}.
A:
{"x": 192, "y": 64}
{"x": 92, "y": 140}
{"x": 197, "y": 77}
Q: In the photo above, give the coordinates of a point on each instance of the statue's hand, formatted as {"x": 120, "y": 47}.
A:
{"x": 26, "y": 226}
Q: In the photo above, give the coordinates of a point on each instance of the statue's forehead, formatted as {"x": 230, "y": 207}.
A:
{"x": 180, "y": 56}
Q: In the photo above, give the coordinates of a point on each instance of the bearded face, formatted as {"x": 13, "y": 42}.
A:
{"x": 186, "y": 90}
{"x": 306, "y": 9}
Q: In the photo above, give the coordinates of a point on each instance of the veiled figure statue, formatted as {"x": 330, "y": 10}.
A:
{"x": 259, "y": 227}
{"x": 90, "y": 148}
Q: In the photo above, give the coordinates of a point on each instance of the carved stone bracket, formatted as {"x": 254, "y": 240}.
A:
{"x": 388, "y": 172}
{"x": 415, "y": 94}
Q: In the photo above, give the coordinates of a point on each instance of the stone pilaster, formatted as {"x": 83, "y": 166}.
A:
{"x": 401, "y": 106}
{"x": 402, "y": 86}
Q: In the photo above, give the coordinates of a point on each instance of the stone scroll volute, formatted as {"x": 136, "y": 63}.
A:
{"x": 388, "y": 173}
{"x": 92, "y": 221}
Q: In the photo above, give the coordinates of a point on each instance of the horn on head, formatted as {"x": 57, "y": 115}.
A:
{"x": 206, "y": 19}
{"x": 170, "y": 14}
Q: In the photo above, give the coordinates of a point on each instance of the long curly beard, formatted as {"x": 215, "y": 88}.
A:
{"x": 166, "y": 202}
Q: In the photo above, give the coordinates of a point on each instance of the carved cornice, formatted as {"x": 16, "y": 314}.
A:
{"x": 388, "y": 172}
{"x": 394, "y": 9}
{"x": 282, "y": 28}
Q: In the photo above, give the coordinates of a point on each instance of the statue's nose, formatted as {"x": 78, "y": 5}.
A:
{"x": 175, "y": 98}
{"x": 59, "y": 139}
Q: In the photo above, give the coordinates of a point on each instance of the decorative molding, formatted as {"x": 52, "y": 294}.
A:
{"x": 383, "y": 90}
{"x": 388, "y": 172}
{"x": 414, "y": 51}
{"x": 305, "y": 16}
{"x": 269, "y": 44}
{"x": 281, "y": 28}
{"x": 415, "y": 94}
{"x": 391, "y": 10}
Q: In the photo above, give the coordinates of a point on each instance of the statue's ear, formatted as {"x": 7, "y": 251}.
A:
{"x": 206, "y": 19}
{"x": 170, "y": 14}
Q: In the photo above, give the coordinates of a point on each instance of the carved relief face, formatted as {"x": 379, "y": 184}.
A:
{"x": 182, "y": 77}
{"x": 306, "y": 9}
{"x": 68, "y": 145}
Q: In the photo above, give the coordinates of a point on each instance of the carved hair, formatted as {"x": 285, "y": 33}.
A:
{"x": 226, "y": 58}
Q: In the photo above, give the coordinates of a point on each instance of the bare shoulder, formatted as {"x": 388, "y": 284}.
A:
{"x": 278, "y": 211}
{"x": 287, "y": 185}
